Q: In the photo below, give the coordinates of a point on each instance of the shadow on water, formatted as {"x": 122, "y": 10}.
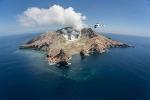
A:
{"x": 96, "y": 55}
{"x": 64, "y": 69}
{"x": 93, "y": 54}
{"x": 82, "y": 58}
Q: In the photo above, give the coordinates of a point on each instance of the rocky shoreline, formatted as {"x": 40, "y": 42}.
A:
{"x": 66, "y": 42}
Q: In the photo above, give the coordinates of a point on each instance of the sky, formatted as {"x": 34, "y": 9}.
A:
{"x": 131, "y": 17}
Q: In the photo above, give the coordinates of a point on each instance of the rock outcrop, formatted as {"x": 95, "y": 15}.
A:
{"x": 58, "y": 58}
{"x": 64, "y": 43}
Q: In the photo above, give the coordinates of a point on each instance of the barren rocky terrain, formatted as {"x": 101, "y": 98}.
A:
{"x": 62, "y": 44}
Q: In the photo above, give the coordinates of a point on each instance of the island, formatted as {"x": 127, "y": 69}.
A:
{"x": 62, "y": 44}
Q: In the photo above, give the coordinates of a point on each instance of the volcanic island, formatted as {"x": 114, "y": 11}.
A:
{"x": 62, "y": 44}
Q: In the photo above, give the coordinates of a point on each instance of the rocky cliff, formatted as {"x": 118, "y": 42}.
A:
{"x": 66, "y": 42}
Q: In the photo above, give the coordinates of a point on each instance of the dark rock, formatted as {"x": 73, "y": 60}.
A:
{"x": 88, "y": 32}
{"x": 61, "y": 58}
{"x": 82, "y": 53}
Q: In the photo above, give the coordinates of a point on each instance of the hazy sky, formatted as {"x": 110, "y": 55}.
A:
{"x": 120, "y": 16}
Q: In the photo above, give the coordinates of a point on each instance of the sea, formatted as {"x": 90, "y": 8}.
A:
{"x": 118, "y": 74}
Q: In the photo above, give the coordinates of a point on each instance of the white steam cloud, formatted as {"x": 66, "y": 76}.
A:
{"x": 53, "y": 15}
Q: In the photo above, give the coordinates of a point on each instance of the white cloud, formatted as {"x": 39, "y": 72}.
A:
{"x": 55, "y": 14}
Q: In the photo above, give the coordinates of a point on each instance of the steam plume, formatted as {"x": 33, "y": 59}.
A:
{"x": 53, "y": 15}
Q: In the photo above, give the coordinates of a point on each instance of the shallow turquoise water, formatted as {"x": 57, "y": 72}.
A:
{"x": 119, "y": 74}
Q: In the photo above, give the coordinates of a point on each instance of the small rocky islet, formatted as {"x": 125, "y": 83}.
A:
{"x": 62, "y": 44}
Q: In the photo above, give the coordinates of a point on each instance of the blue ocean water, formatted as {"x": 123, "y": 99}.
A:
{"x": 119, "y": 74}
